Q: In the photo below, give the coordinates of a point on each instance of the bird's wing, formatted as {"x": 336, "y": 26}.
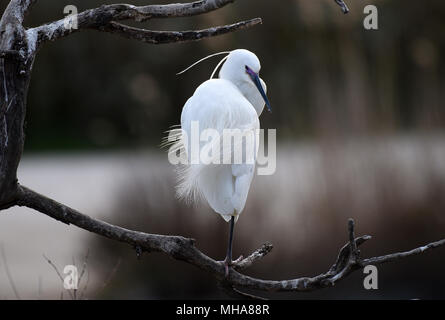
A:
{"x": 217, "y": 105}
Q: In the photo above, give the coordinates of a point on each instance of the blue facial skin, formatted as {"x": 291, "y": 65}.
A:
{"x": 256, "y": 80}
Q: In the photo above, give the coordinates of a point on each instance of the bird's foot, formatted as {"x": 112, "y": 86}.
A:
{"x": 229, "y": 263}
{"x": 226, "y": 269}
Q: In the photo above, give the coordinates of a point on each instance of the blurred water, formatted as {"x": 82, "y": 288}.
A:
{"x": 315, "y": 188}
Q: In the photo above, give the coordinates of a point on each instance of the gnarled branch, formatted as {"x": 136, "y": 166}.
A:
{"x": 184, "y": 249}
{"x": 18, "y": 48}
{"x": 161, "y": 37}
{"x": 104, "y": 19}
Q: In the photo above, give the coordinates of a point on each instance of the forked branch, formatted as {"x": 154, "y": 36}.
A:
{"x": 104, "y": 18}
{"x": 180, "y": 248}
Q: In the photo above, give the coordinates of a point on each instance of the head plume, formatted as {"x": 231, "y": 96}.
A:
{"x": 205, "y": 58}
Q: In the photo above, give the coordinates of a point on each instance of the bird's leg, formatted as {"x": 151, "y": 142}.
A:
{"x": 228, "y": 260}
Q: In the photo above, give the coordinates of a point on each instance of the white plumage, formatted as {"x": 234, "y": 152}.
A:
{"x": 231, "y": 102}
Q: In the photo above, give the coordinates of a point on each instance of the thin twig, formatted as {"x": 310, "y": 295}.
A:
{"x": 54, "y": 267}
{"x": 235, "y": 293}
{"x": 58, "y": 273}
{"x": 8, "y": 273}
{"x": 343, "y": 6}
{"x": 74, "y": 289}
{"x": 85, "y": 262}
{"x": 162, "y": 37}
{"x": 254, "y": 256}
{"x": 39, "y": 289}
{"x": 110, "y": 276}
{"x": 85, "y": 287}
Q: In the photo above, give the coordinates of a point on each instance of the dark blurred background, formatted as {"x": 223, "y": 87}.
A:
{"x": 360, "y": 126}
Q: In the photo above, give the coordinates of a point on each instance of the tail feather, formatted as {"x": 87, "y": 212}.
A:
{"x": 187, "y": 175}
{"x": 173, "y": 136}
{"x": 187, "y": 186}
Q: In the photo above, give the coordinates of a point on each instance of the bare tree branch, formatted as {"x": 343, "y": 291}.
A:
{"x": 184, "y": 249}
{"x": 343, "y": 6}
{"x": 400, "y": 255}
{"x": 231, "y": 291}
{"x": 101, "y": 18}
{"x": 161, "y": 37}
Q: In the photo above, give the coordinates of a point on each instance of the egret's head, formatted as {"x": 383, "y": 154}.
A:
{"x": 244, "y": 66}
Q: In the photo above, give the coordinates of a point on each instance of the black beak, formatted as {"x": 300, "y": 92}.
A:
{"x": 256, "y": 80}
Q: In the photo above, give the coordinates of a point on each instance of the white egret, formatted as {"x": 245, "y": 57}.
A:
{"x": 233, "y": 101}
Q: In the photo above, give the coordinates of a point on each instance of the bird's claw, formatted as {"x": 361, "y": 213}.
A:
{"x": 228, "y": 264}
{"x": 226, "y": 270}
